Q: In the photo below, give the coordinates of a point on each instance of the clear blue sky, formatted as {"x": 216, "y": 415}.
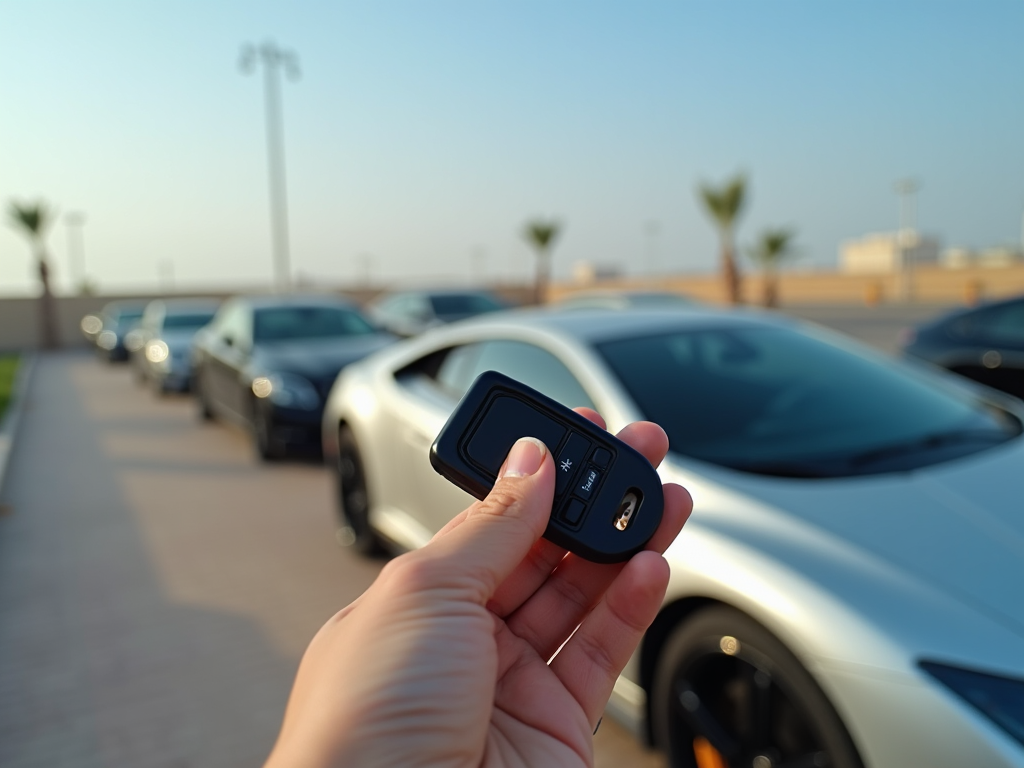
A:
{"x": 422, "y": 132}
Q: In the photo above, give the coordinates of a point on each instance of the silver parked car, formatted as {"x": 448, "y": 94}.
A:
{"x": 847, "y": 591}
{"x": 162, "y": 354}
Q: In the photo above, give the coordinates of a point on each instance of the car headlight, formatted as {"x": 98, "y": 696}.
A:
{"x": 157, "y": 351}
{"x": 106, "y": 340}
{"x": 1000, "y": 699}
{"x": 287, "y": 390}
{"x": 91, "y": 325}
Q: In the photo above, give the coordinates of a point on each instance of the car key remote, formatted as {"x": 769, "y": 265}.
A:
{"x": 608, "y": 498}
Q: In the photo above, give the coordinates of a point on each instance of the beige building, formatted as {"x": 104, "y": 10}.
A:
{"x": 887, "y": 252}
{"x": 1000, "y": 256}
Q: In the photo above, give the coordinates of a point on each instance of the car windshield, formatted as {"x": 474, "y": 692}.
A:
{"x": 184, "y": 322}
{"x": 124, "y": 318}
{"x": 282, "y": 323}
{"x": 782, "y": 402}
{"x": 464, "y": 304}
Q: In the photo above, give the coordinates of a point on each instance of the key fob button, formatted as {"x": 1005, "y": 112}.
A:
{"x": 508, "y": 419}
{"x": 569, "y": 460}
{"x": 574, "y": 511}
{"x": 602, "y": 457}
{"x": 588, "y": 482}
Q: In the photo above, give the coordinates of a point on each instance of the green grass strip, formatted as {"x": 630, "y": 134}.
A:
{"x": 8, "y": 369}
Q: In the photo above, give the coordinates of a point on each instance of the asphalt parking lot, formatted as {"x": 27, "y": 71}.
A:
{"x": 158, "y": 584}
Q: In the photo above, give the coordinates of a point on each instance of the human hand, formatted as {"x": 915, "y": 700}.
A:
{"x": 444, "y": 660}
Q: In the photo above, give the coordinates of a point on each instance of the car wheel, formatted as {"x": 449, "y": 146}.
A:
{"x": 354, "y": 497}
{"x": 727, "y": 692}
{"x": 266, "y": 444}
{"x": 205, "y": 411}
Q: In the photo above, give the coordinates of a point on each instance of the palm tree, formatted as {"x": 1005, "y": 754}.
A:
{"x": 725, "y": 204}
{"x": 774, "y": 246}
{"x": 541, "y": 236}
{"x": 34, "y": 221}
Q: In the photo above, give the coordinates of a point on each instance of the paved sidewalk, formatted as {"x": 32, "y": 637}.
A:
{"x": 130, "y": 630}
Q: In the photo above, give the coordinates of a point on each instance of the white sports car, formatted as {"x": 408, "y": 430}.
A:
{"x": 849, "y": 590}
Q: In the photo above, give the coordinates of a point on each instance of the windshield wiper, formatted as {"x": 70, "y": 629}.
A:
{"x": 926, "y": 443}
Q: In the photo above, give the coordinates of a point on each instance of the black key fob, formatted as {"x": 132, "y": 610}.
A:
{"x": 608, "y": 498}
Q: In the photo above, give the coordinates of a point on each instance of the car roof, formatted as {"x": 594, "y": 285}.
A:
{"x": 438, "y": 292}
{"x": 270, "y": 301}
{"x": 173, "y": 306}
{"x": 597, "y": 325}
{"x": 123, "y": 305}
{"x": 956, "y": 314}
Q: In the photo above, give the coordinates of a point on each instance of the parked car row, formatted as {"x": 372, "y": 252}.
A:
{"x": 846, "y": 590}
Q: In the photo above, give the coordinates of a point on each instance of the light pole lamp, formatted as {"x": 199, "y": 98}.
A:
{"x": 273, "y": 60}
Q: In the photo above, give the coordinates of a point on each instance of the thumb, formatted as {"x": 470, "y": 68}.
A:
{"x": 498, "y": 531}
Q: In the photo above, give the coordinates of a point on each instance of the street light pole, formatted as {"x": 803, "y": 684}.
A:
{"x": 273, "y": 60}
{"x": 906, "y": 238}
{"x": 74, "y": 221}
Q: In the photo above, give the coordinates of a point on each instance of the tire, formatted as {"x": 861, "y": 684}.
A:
{"x": 727, "y": 692}
{"x": 353, "y": 497}
{"x": 267, "y": 446}
{"x": 205, "y": 411}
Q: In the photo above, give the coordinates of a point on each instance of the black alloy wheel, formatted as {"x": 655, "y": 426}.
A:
{"x": 354, "y": 497}
{"x": 728, "y": 694}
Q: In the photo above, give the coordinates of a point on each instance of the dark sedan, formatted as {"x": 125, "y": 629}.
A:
{"x": 267, "y": 364}
{"x": 408, "y": 313}
{"x": 984, "y": 343}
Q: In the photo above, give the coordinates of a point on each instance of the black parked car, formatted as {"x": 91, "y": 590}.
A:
{"x": 984, "y": 343}
{"x": 267, "y": 363}
{"x": 163, "y": 356}
{"x": 408, "y": 313}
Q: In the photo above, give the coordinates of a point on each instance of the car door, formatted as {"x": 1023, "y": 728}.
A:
{"x": 431, "y": 499}
{"x": 227, "y": 354}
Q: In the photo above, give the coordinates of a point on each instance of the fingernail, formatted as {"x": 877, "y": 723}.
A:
{"x": 525, "y": 457}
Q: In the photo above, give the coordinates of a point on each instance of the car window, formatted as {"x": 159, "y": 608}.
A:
{"x": 314, "y": 322}
{"x": 527, "y": 363}
{"x": 1003, "y": 325}
{"x": 992, "y": 325}
{"x": 780, "y": 401}
{"x": 193, "y": 320}
{"x": 458, "y": 304}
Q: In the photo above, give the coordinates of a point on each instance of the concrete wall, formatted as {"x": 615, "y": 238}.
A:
{"x": 928, "y": 284}
{"x": 19, "y": 317}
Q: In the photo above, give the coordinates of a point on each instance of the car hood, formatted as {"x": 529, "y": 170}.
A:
{"x": 956, "y": 526}
{"x": 317, "y": 359}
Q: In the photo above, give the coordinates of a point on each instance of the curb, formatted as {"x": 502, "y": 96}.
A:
{"x": 11, "y": 420}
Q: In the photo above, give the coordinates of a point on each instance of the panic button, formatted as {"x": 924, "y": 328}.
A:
{"x": 588, "y": 482}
